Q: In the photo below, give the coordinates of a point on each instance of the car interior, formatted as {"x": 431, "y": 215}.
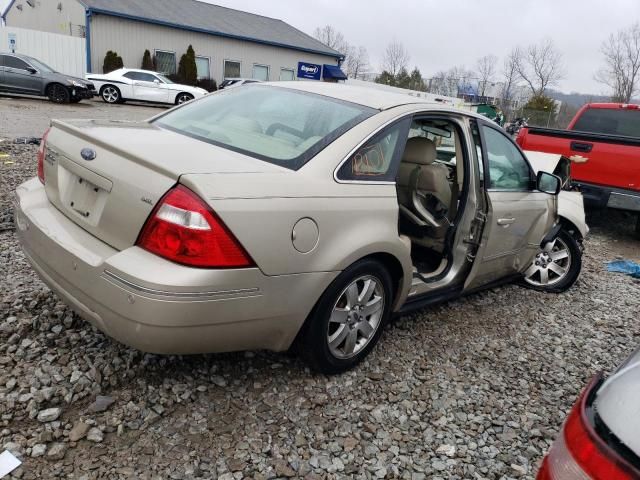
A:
{"x": 429, "y": 184}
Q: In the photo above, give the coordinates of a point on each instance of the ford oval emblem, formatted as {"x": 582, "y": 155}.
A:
{"x": 88, "y": 154}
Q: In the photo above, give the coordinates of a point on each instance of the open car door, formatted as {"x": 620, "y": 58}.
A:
{"x": 517, "y": 215}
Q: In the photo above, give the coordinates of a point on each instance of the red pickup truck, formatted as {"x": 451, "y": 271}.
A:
{"x": 607, "y": 137}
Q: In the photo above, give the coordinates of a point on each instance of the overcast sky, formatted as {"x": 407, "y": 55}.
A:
{"x": 443, "y": 33}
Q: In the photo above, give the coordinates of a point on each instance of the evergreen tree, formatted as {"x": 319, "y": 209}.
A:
{"x": 403, "y": 80}
{"x": 112, "y": 61}
{"x": 147, "y": 61}
{"x": 187, "y": 70}
{"x": 386, "y": 78}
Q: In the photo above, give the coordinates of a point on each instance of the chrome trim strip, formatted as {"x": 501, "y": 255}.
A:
{"x": 107, "y": 275}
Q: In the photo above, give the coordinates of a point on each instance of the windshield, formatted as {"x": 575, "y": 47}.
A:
{"x": 610, "y": 121}
{"x": 163, "y": 78}
{"x": 43, "y": 68}
{"x": 277, "y": 125}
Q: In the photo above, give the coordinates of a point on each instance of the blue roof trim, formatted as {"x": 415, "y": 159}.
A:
{"x": 6, "y": 10}
{"x": 333, "y": 72}
{"x": 212, "y": 32}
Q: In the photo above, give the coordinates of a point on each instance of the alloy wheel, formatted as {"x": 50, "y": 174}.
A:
{"x": 58, "y": 93}
{"x": 184, "y": 98}
{"x": 110, "y": 95}
{"x": 355, "y": 317}
{"x": 551, "y": 265}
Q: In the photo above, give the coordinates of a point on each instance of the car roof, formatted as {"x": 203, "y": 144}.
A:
{"x": 368, "y": 97}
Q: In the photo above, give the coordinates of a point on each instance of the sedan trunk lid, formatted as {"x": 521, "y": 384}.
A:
{"x": 107, "y": 176}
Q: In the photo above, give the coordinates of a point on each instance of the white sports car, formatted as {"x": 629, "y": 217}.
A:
{"x": 142, "y": 85}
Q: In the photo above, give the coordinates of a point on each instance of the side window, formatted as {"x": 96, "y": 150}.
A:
{"x": 13, "y": 62}
{"x": 147, "y": 77}
{"x": 508, "y": 169}
{"x": 374, "y": 161}
{"x": 132, "y": 76}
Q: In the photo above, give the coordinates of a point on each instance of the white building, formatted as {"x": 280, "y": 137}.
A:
{"x": 227, "y": 42}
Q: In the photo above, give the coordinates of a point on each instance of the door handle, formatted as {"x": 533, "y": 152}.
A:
{"x": 581, "y": 147}
{"x": 505, "y": 222}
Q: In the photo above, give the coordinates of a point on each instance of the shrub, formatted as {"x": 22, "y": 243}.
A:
{"x": 209, "y": 84}
{"x": 187, "y": 70}
{"x": 112, "y": 61}
{"x": 148, "y": 62}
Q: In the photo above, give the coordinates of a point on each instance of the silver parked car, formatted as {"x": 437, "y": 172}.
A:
{"x": 286, "y": 214}
{"x": 600, "y": 439}
{"x": 28, "y": 76}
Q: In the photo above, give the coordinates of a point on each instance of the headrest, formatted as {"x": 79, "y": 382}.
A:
{"x": 420, "y": 150}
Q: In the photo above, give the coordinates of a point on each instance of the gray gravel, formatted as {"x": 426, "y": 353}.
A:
{"x": 475, "y": 388}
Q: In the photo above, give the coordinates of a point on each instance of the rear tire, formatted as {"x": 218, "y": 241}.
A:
{"x": 111, "y": 94}
{"x": 348, "y": 320}
{"x": 58, "y": 93}
{"x": 557, "y": 266}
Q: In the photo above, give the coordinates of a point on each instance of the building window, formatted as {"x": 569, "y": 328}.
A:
{"x": 166, "y": 62}
{"x": 231, "y": 69}
{"x": 202, "y": 66}
{"x": 287, "y": 74}
{"x": 261, "y": 72}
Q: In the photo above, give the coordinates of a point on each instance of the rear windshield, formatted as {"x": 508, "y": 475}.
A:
{"x": 277, "y": 125}
{"x": 609, "y": 121}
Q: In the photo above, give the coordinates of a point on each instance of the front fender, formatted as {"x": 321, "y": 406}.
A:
{"x": 571, "y": 209}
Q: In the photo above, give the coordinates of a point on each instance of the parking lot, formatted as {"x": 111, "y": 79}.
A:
{"x": 474, "y": 388}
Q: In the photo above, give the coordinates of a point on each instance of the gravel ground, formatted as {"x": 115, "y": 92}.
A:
{"x": 30, "y": 116}
{"x": 475, "y": 388}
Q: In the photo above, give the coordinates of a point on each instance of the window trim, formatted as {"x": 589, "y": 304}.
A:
{"x": 23, "y": 61}
{"x": 209, "y": 63}
{"x": 224, "y": 63}
{"x": 261, "y": 65}
{"x": 485, "y": 158}
{"x": 175, "y": 59}
{"x": 388, "y": 123}
{"x": 293, "y": 74}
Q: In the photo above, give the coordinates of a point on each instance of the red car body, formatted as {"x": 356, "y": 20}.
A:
{"x": 608, "y": 136}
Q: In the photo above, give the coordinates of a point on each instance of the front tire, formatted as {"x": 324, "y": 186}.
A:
{"x": 58, "y": 93}
{"x": 110, "y": 94}
{"x": 556, "y": 266}
{"x": 347, "y": 321}
{"x": 183, "y": 98}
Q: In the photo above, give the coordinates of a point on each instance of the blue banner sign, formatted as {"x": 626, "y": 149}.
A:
{"x": 309, "y": 70}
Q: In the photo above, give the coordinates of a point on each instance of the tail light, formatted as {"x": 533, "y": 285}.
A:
{"x": 580, "y": 454}
{"x": 184, "y": 229}
{"x": 42, "y": 151}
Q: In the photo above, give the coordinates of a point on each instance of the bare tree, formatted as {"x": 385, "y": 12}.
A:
{"x": 540, "y": 66}
{"x": 486, "y": 71}
{"x": 395, "y": 58}
{"x": 331, "y": 38}
{"x": 622, "y": 63}
{"x": 357, "y": 61}
{"x": 510, "y": 80}
{"x": 450, "y": 82}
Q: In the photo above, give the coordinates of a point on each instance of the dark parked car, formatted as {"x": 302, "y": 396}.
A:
{"x": 29, "y": 76}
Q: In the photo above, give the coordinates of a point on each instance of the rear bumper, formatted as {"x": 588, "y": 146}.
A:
{"x": 598, "y": 196}
{"x": 154, "y": 305}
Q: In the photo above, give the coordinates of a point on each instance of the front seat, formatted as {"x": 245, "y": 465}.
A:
{"x": 424, "y": 191}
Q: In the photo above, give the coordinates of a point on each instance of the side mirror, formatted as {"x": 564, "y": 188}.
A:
{"x": 32, "y": 70}
{"x": 548, "y": 183}
{"x": 156, "y": 81}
